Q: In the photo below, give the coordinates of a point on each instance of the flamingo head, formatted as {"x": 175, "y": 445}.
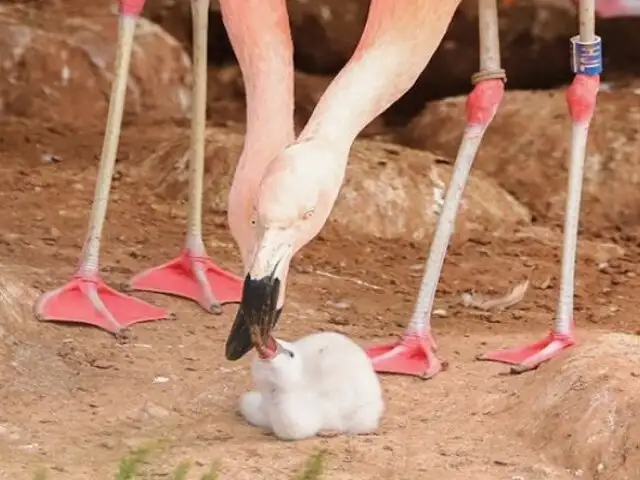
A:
{"x": 295, "y": 198}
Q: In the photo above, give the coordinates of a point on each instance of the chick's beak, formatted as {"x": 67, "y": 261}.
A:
{"x": 259, "y": 311}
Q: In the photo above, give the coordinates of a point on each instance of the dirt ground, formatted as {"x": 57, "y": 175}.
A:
{"x": 74, "y": 401}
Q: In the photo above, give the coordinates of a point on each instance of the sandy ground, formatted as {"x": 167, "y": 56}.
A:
{"x": 75, "y": 401}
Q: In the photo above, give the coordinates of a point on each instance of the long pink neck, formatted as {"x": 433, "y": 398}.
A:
{"x": 259, "y": 33}
{"x": 398, "y": 41}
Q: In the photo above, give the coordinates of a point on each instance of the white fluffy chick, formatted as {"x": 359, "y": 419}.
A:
{"x": 322, "y": 384}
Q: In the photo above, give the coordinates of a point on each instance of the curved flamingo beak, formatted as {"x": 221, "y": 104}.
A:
{"x": 262, "y": 299}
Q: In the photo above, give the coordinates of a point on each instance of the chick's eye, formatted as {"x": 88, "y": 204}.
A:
{"x": 291, "y": 354}
{"x": 308, "y": 214}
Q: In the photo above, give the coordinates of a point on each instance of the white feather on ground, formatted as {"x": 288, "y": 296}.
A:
{"x": 483, "y": 302}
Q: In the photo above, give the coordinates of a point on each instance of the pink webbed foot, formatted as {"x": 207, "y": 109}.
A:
{"x": 531, "y": 356}
{"x": 88, "y": 300}
{"x": 412, "y": 355}
{"x": 194, "y": 277}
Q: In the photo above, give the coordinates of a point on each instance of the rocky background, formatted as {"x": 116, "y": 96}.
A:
{"x": 54, "y": 53}
{"x": 534, "y": 43}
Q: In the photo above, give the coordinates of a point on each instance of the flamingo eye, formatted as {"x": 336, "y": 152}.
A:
{"x": 308, "y": 214}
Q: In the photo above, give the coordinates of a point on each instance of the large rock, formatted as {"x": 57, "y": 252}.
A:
{"x": 53, "y": 58}
{"x": 16, "y": 310}
{"x": 390, "y": 191}
{"x": 526, "y": 150}
{"x": 582, "y": 410}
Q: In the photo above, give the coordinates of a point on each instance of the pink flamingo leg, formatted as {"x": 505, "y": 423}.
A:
{"x": 193, "y": 274}
{"x": 414, "y": 353}
{"x": 87, "y": 299}
{"x": 581, "y": 99}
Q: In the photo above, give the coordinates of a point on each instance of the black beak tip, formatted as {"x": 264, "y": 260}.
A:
{"x": 239, "y": 341}
{"x": 235, "y": 352}
{"x": 257, "y": 310}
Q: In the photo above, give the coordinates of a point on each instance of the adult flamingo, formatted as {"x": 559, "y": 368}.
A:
{"x": 259, "y": 32}
{"x": 267, "y": 229}
{"x": 87, "y": 299}
{"x": 301, "y": 184}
